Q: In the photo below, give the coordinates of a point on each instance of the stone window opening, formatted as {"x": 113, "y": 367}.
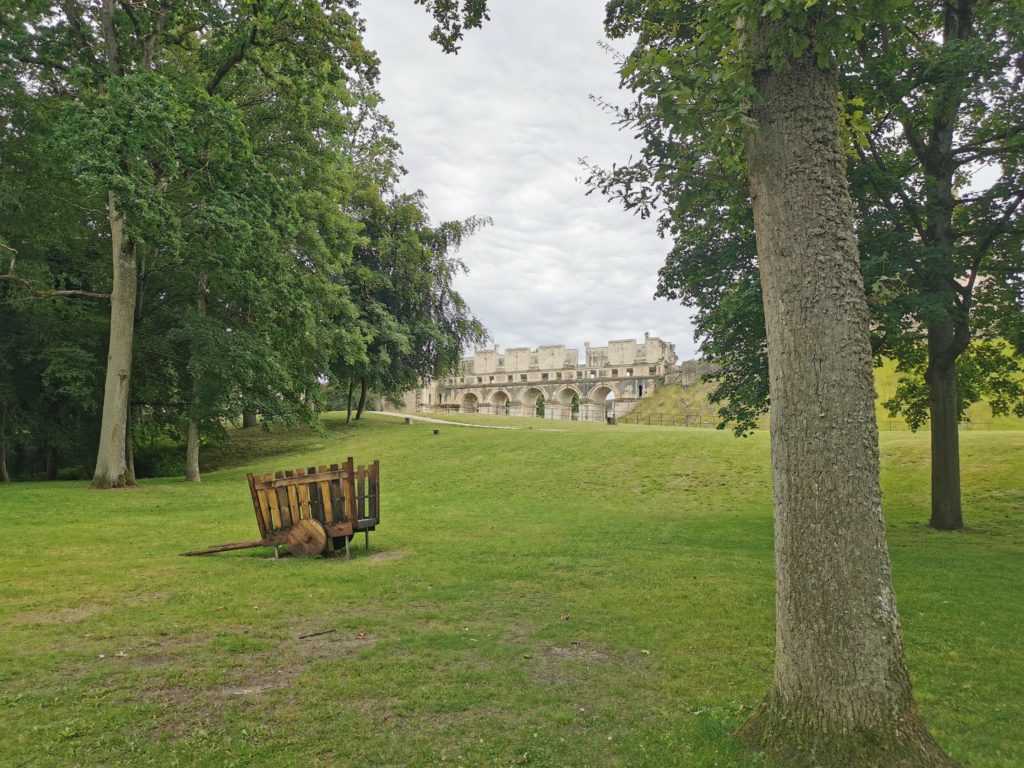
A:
{"x": 629, "y": 371}
{"x": 544, "y": 377}
{"x": 615, "y": 371}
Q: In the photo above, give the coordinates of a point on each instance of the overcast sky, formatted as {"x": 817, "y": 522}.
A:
{"x": 498, "y": 131}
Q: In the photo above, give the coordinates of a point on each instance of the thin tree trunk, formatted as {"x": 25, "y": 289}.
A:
{"x": 133, "y": 413}
{"x": 941, "y": 377}
{"x": 949, "y": 337}
{"x": 841, "y": 694}
{"x": 192, "y": 449}
{"x": 249, "y": 419}
{"x": 51, "y": 462}
{"x": 351, "y": 387}
{"x": 111, "y": 466}
{"x": 363, "y": 391}
{"x": 5, "y": 476}
{"x": 129, "y": 447}
{"x": 192, "y": 453}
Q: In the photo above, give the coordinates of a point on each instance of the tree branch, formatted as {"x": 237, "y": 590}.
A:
{"x": 110, "y": 37}
{"x": 231, "y": 62}
{"x": 909, "y": 206}
{"x": 71, "y": 12}
{"x": 998, "y": 229}
{"x": 53, "y": 294}
{"x": 976, "y": 150}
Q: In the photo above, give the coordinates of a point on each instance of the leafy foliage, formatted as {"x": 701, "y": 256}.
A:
{"x": 258, "y": 182}
{"x": 933, "y": 117}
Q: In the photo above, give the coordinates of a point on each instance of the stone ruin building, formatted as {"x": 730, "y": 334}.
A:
{"x": 552, "y": 381}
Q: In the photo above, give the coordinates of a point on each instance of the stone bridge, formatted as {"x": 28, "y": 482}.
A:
{"x": 524, "y": 381}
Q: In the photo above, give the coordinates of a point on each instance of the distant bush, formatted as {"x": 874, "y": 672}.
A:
{"x": 73, "y": 473}
{"x": 162, "y": 457}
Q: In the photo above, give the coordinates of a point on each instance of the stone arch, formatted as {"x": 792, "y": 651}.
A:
{"x": 602, "y": 393}
{"x": 499, "y": 401}
{"x": 565, "y": 394}
{"x": 470, "y": 402}
{"x": 530, "y": 395}
{"x": 498, "y": 398}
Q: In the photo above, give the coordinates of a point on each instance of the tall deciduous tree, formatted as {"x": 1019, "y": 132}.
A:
{"x": 841, "y": 693}
{"x": 51, "y": 310}
{"x": 930, "y": 100}
{"x": 413, "y": 324}
{"x": 110, "y": 58}
{"x": 767, "y": 74}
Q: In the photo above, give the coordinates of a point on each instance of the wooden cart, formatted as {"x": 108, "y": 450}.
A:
{"x": 313, "y": 510}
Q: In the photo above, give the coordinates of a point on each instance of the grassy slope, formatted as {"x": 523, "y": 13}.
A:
{"x": 590, "y": 596}
{"x": 676, "y": 401}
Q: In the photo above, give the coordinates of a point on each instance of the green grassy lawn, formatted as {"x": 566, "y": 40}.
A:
{"x": 566, "y": 595}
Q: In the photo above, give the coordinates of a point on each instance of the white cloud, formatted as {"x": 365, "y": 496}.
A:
{"x": 497, "y": 131}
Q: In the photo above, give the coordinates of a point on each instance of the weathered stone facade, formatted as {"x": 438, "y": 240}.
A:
{"x": 609, "y": 380}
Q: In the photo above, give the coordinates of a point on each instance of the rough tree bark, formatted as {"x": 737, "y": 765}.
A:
{"x": 841, "y": 695}
{"x": 363, "y": 392}
{"x": 249, "y": 419}
{"x": 111, "y": 466}
{"x": 351, "y": 389}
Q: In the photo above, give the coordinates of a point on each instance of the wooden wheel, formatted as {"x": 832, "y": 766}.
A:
{"x": 307, "y": 538}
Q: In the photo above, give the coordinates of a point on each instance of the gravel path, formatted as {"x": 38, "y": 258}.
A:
{"x": 429, "y": 420}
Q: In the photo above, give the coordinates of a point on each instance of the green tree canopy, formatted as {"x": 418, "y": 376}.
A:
{"x": 933, "y": 115}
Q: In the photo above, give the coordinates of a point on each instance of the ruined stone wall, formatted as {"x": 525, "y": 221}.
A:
{"x": 610, "y": 378}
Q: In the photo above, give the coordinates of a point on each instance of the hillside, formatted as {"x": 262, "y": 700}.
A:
{"x": 689, "y": 405}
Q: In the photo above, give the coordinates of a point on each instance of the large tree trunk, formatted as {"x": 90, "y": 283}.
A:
{"x": 947, "y": 513}
{"x": 363, "y": 391}
{"x": 841, "y": 695}
{"x": 249, "y": 419}
{"x": 111, "y": 467}
{"x": 351, "y": 389}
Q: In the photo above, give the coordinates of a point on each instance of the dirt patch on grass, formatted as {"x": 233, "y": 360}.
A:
{"x": 577, "y": 649}
{"x": 252, "y": 676}
{"x": 565, "y": 664}
{"x": 385, "y": 557}
{"x": 62, "y": 616}
{"x": 326, "y": 643}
